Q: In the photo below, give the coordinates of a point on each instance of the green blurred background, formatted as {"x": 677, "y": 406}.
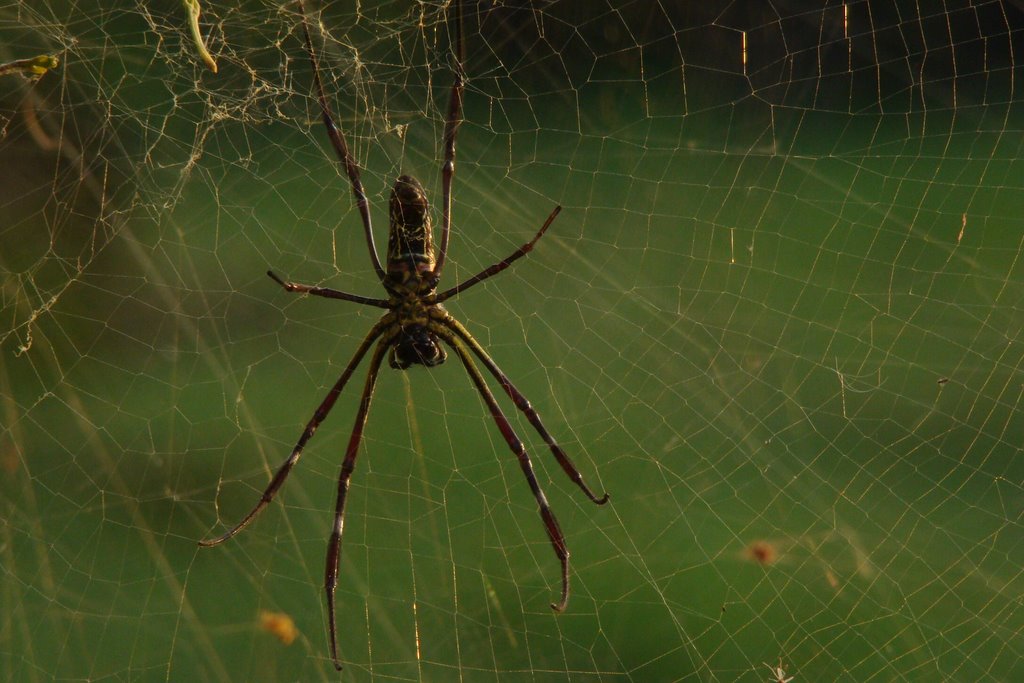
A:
{"x": 778, "y": 320}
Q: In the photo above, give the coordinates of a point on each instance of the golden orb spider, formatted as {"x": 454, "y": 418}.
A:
{"x": 412, "y": 329}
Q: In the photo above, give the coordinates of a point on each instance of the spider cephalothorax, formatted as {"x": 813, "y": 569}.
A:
{"x": 416, "y": 345}
{"x": 414, "y": 331}
{"x": 416, "y": 318}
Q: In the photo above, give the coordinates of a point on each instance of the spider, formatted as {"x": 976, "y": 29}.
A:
{"x": 414, "y": 329}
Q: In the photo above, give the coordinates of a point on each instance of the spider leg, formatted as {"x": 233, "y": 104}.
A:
{"x": 341, "y": 148}
{"x": 321, "y": 413}
{"x": 326, "y": 292}
{"x": 334, "y": 546}
{"x": 451, "y": 129}
{"x": 550, "y": 523}
{"x": 524, "y": 405}
{"x": 501, "y": 265}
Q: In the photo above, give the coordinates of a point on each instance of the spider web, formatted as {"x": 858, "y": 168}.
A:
{"x": 778, "y": 320}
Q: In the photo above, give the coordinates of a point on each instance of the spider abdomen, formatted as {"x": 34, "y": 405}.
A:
{"x": 410, "y": 235}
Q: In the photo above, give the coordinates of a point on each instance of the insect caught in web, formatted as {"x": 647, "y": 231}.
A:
{"x": 414, "y": 329}
{"x": 778, "y": 674}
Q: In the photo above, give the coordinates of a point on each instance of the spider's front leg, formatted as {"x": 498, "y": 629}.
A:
{"x": 554, "y": 531}
{"x": 527, "y": 409}
{"x": 334, "y": 546}
{"x": 318, "y": 416}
